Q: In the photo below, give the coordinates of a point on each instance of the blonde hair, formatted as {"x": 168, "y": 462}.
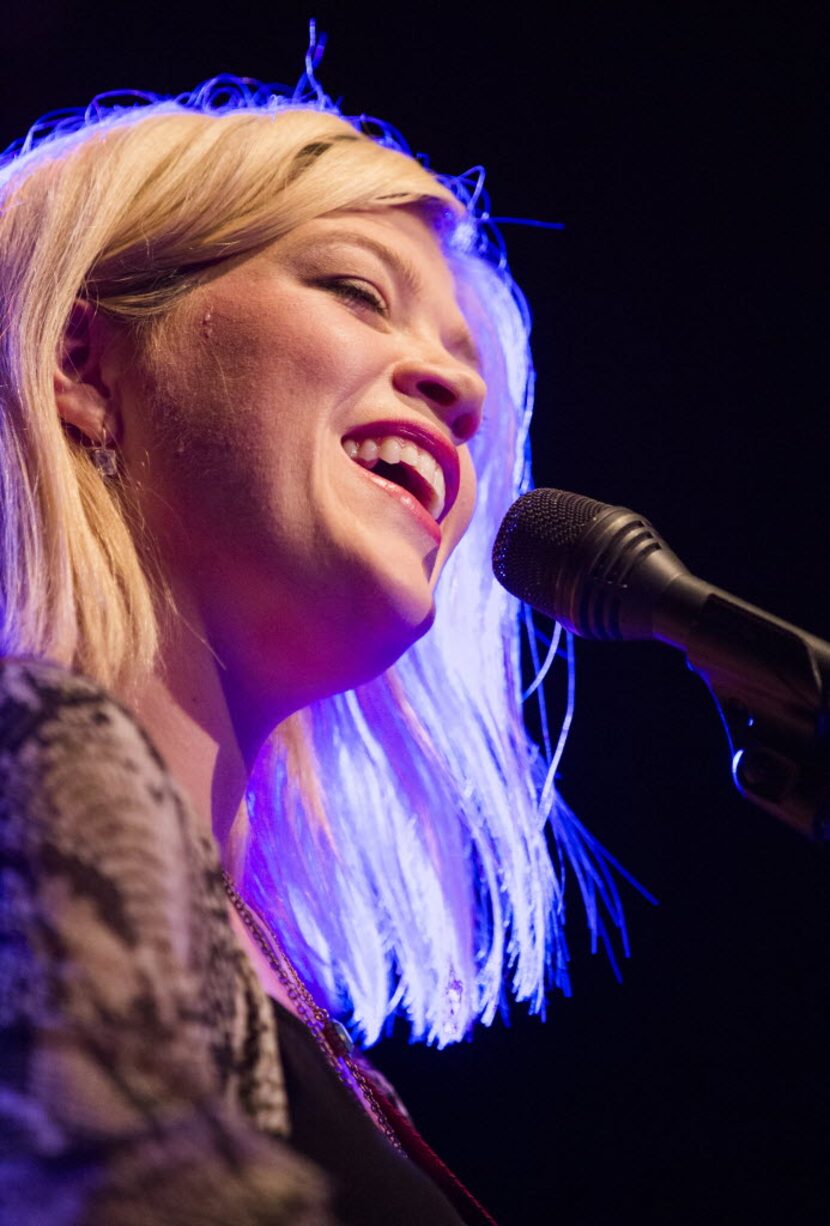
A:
{"x": 130, "y": 212}
{"x": 407, "y": 865}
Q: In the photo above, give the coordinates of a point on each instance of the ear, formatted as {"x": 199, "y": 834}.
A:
{"x": 82, "y": 391}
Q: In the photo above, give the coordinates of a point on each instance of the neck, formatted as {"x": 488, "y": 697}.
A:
{"x": 200, "y": 749}
{"x": 187, "y": 707}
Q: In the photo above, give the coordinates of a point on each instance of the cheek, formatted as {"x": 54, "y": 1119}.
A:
{"x": 464, "y": 507}
{"x": 291, "y": 345}
{"x": 246, "y": 390}
{"x": 469, "y": 482}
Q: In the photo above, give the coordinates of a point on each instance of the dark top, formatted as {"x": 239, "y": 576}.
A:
{"x": 373, "y": 1184}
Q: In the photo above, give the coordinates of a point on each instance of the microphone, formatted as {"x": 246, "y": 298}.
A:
{"x": 605, "y": 573}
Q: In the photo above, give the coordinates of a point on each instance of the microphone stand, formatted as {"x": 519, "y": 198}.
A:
{"x": 771, "y": 683}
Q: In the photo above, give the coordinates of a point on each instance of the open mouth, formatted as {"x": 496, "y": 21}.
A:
{"x": 405, "y": 464}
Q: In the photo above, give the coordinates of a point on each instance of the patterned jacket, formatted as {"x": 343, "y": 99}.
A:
{"x": 140, "y": 1078}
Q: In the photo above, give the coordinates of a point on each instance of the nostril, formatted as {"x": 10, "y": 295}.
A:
{"x": 464, "y": 426}
{"x": 438, "y": 393}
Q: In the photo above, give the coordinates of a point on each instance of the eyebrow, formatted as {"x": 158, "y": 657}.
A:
{"x": 461, "y": 340}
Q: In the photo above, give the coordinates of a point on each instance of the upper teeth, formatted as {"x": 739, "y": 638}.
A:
{"x": 395, "y": 450}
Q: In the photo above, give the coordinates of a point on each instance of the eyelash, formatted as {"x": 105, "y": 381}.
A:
{"x": 359, "y": 293}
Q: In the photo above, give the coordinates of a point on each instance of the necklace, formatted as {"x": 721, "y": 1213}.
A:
{"x": 332, "y": 1038}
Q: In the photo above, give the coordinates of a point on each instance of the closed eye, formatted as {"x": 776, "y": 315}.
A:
{"x": 361, "y": 293}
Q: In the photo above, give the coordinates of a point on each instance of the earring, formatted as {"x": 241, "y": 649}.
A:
{"x": 104, "y": 458}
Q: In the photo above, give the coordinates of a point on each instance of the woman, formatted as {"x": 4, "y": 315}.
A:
{"x": 255, "y": 771}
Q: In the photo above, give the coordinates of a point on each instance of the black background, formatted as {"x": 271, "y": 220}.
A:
{"x": 678, "y": 337}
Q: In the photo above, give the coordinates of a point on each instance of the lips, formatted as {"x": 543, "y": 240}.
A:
{"x": 431, "y": 442}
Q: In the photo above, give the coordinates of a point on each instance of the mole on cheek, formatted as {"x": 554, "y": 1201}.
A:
{"x": 207, "y": 323}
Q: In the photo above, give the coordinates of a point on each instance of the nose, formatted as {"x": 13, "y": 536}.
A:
{"x": 452, "y": 390}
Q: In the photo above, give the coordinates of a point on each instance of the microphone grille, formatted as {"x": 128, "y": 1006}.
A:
{"x": 536, "y": 536}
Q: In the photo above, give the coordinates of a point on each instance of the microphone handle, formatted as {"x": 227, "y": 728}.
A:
{"x": 771, "y": 681}
{"x": 745, "y": 650}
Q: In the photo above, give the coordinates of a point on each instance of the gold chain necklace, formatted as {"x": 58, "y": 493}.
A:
{"x": 332, "y": 1038}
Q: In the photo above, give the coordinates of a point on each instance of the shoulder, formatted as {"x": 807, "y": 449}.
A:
{"x": 45, "y": 706}
{"x": 32, "y": 675}
{"x": 90, "y": 817}
{"x": 112, "y": 902}
{"x": 68, "y": 750}
{"x": 137, "y": 1053}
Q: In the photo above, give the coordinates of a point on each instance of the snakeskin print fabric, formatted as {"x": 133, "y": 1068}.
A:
{"x": 140, "y": 1079}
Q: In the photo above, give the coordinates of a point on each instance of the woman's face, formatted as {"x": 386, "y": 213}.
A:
{"x": 297, "y": 439}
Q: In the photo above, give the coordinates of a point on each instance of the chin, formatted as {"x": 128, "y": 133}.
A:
{"x": 394, "y": 638}
{"x": 392, "y": 592}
